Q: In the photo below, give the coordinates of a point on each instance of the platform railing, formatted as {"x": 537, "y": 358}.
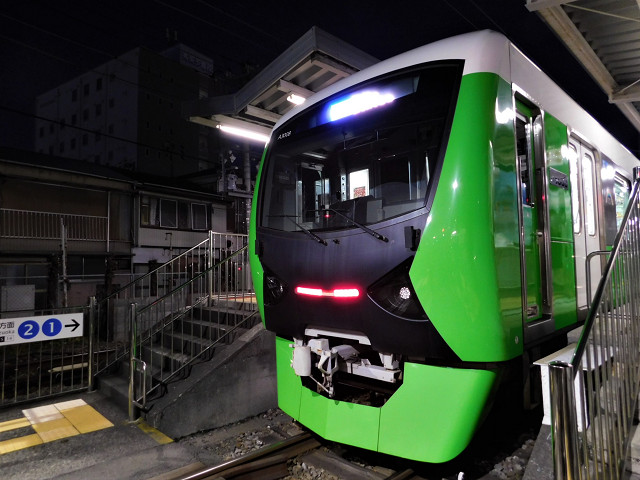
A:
{"x": 593, "y": 397}
{"x": 32, "y": 371}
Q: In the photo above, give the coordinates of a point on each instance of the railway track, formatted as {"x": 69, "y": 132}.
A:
{"x": 274, "y": 462}
{"x": 501, "y": 450}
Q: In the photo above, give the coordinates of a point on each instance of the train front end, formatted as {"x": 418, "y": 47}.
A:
{"x": 377, "y": 280}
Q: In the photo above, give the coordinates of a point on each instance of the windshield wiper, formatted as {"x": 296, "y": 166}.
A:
{"x": 371, "y": 232}
{"x": 308, "y": 232}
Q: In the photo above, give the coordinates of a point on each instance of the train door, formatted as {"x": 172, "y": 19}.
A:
{"x": 534, "y": 241}
{"x": 582, "y": 165}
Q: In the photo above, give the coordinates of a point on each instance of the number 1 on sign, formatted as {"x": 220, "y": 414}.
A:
{"x": 52, "y": 327}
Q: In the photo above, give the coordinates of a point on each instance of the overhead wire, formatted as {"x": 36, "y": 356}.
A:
{"x": 96, "y": 50}
{"x": 96, "y": 71}
{"x": 88, "y": 130}
{"x": 261, "y": 45}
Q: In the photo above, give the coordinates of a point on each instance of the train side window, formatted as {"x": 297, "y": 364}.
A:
{"x": 587, "y": 177}
{"x": 575, "y": 189}
{"x": 523, "y": 145}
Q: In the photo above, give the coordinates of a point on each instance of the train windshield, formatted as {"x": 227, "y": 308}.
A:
{"x": 362, "y": 156}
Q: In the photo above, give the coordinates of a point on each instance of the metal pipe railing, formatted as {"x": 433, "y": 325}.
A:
{"x": 592, "y": 421}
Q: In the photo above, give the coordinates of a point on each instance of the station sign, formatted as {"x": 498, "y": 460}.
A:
{"x": 41, "y": 328}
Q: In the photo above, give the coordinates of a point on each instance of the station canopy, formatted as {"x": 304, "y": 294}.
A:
{"x": 315, "y": 61}
{"x": 604, "y": 35}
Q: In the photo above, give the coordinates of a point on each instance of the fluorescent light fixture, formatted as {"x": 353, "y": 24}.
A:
{"x": 242, "y": 132}
{"x": 296, "y": 99}
{"x": 319, "y": 156}
{"x": 358, "y": 103}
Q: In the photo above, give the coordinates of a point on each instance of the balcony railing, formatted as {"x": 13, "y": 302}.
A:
{"x": 49, "y": 226}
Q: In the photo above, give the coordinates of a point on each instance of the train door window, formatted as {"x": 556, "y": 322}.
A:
{"x": 589, "y": 199}
{"x": 575, "y": 189}
{"x": 523, "y": 144}
{"x": 621, "y": 194}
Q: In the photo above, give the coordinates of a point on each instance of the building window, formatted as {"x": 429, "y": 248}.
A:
{"x": 72, "y": 144}
{"x": 51, "y": 128}
{"x": 198, "y": 216}
{"x": 74, "y": 119}
{"x": 74, "y": 95}
{"x": 86, "y": 89}
{"x": 85, "y": 139}
{"x": 98, "y": 84}
{"x": 168, "y": 213}
{"x": 85, "y": 114}
{"x": 98, "y": 109}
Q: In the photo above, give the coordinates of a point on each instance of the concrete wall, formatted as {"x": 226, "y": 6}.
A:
{"x": 239, "y": 382}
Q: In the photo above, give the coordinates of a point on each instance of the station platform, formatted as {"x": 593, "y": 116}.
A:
{"x": 85, "y": 435}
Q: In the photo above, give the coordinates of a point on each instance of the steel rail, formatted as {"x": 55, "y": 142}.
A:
{"x": 255, "y": 463}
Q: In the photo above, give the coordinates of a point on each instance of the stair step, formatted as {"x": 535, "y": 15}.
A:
{"x": 157, "y": 356}
{"x": 187, "y": 343}
{"x": 167, "y": 352}
{"x": 207, "y": 329}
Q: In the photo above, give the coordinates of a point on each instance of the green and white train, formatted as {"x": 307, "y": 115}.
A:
{"x": 420, "y": 232}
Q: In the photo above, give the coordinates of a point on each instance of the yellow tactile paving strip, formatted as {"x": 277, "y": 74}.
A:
{"x": 157, "y": 435}
{"x": 53, "y": 422}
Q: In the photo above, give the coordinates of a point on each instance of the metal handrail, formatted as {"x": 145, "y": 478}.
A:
{"x": 191, "y": 281}
{"x": 591, "y": 426}
{"x": 154, "y": 285}
{"x": 152, "y": 272}
{"x": 615, "y": 251}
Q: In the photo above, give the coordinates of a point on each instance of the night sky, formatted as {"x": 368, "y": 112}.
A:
{"x": 45, "y": 43}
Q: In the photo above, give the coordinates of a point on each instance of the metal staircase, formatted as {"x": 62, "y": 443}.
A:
{"x": 161, "y": 324}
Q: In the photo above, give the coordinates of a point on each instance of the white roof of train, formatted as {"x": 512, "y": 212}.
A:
{"x": 488, "y": 51}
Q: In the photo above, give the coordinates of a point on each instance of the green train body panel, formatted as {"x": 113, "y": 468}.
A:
{"x": 434, "y": 414}
{"x": 463, "y": 272}
{"x": 452, "y": 402}
{"x": 257, "y": 272}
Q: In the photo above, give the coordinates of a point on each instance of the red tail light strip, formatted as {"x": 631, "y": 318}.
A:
{"x": 338, "y": 292}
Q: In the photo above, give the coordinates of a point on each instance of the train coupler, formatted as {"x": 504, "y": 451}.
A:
{"x": 344, "y": 358}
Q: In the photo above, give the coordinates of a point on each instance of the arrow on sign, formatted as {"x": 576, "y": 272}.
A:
{"x": 75, "y": 325}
